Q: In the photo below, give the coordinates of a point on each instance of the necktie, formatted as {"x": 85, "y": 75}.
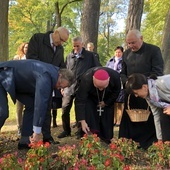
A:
{"x": 54, "y": 47}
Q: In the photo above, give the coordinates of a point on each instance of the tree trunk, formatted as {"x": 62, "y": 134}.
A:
{"x": 58, "y": 14}
{"x": 90, "y": 21}
{"x": 59, "y": 10}
{"x": 166, "y": 44}
{"x": 4, "y": 30}
{"x": 134, "y": 15}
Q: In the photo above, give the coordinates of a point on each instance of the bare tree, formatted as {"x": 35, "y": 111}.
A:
{"x": 4, "y": 30}
{"x": 90, "y": 21}
{"x": 134, "y": 14}
{"x": 166, "y": 44}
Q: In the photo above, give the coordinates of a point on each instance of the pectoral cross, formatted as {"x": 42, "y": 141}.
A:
{"x": 100, "y": 110}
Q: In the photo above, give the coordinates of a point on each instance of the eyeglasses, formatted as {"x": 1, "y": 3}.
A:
{"x": 60, "y": 37}
{"x": 76, "y": 46}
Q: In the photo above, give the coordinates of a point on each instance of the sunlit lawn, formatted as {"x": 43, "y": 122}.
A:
{"x": 12, "y": 115}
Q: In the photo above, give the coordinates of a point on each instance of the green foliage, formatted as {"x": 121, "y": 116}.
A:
{"x": 26, "y": 18}
{"x": 10, "y": 161}
{"x": 154, "y": 20}
{"x": 29, "y": 17}
{"x": 110, "y": 34}
{"x": 159, "y": 155}
{"x": 104, "y": 53}
{"x": 91, "y": 154}
{"x": 38, "y": 156}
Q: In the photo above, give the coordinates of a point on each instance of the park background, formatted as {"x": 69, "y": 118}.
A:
{"x": 103, "y": 22}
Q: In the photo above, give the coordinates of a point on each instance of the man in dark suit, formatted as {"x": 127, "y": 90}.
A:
{"x": 47, "y": 47}
{"x": 78, "y": 61}
{"x": 30, "y": 82}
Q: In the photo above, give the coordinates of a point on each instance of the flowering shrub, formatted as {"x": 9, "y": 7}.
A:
{"x": 10, "y": 161}
{"x": 128, "y": 149}
{"x": 67, "y": 156}
{"x": 90, "y": 155}
{"x": 99, "y": 156}
{"x": 37, "y": 157}
{"x": 159, "y": 155}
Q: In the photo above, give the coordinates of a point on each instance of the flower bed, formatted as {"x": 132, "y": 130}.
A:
{"x": 90, "y": 154}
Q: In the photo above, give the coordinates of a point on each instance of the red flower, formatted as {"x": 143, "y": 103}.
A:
{"x": 47, "y": 144}
{"x": 89, "y": 145}
{"x": 113, "y": 146}
{"x": 126, "y": 167}
{"x": 107, "y": 162}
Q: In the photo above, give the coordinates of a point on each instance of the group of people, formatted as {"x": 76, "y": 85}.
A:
{"x": 98, "y": 92}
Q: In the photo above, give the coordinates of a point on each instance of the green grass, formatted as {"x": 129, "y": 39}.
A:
{"x": 12, "y": 112}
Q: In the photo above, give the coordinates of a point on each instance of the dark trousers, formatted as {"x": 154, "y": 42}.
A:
{"x": 27, "y": 125}
{"x": 4, "y": 112}
{"x": 28, "y": 101}
{"x": 27, "y": 128}
{"x": 67, "y": 102}
{"x": 165, "y": 126}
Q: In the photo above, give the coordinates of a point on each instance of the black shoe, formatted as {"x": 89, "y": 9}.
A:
{"x": 79, "y": 134}
{"x": 64, "y": 134}
{"x": 23, "y": 146}
{"x": 51, "y": 141}
{"x": 74, "y": 125}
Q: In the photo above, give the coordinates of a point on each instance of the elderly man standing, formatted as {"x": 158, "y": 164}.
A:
{"x": 146, "y": 59}
{"x": 78, "y": 61}
{"x": 47, "y": 47}
{"x": 32, "y": 83}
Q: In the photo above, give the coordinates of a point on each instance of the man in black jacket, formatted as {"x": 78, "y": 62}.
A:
{"x": 48, "y": 48}
{"x": 78, "y": 61}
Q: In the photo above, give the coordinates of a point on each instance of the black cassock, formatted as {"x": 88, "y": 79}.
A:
{"x": 147, "y": 60}
{"x": 142, "y": 132}
{"x": 87, "y": 99}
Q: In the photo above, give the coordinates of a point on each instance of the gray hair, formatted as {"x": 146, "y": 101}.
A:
{"x": 77, "y": 39}
{"x": 135, "y": 32}
{"x": 67, "y": 75}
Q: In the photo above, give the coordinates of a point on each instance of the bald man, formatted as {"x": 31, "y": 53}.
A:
{"x": 47, "y": 47}
{"x": 90, "y": 47}
{"x": 144, "y": 58}
{"x": 94, "y": 103}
